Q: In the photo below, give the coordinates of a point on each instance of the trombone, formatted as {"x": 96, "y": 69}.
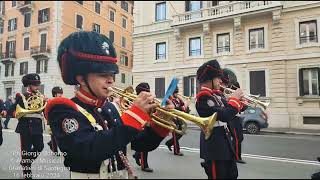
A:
{"x": 252, "y": 100}
{"x": 165, "y": 118}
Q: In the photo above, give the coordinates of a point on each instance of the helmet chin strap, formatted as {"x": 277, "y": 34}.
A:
{"x": 87, "y": 84}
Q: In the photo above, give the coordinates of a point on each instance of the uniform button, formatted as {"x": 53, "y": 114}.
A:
{"x": 115, "y": 120}
{"x": 99, "y": 110}
{"x": 109, "y": 110}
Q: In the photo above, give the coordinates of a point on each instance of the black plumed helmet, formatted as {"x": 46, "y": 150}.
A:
{"x": 31, "y": 79}
{"x": 84, "y": 52}
{"x": 56, "y": 90}
{"x": 142, "y": 87}
{"x": 208, "y": 71}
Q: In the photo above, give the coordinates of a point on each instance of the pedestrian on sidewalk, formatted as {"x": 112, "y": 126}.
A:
{"x": 3, "y": 114}
{"x": 9, "y": 108}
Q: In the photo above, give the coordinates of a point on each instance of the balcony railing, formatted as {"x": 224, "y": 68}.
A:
{"x": 40, "y": 52}
{"x": 224, "y": 10}
{"x": 24, "y": 6}
{"x": 8, "y": 56}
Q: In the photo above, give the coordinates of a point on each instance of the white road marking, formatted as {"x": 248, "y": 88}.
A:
{"x": 252, "y": 156}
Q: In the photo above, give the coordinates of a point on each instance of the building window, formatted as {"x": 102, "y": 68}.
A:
{"x": 111, "y": 36}
{"x": 193, "y": 5}
{"x": 160, "y": 50}
{"x": 114, "y": 2}
{"x": 80, "y": 2}
{"x": 123, "y": 78}
{"x": 1, "y": 27}
{"x": 97, "y": 7}
{"x": 79, "y": 22}
{"x": 125, "y": 6}
{"x": 96, "y": 28}
{"x": 111, "y": 15}
{"x": 214, "y": 3}
{"x": 8, "y": 91}
{"x": 23, "y": 68}
{"x": 124, "y": 60}
{"x": 12, "y": 24}
{"x": 2, "y": 7}
{"x": 161, "y": 11}
{"x": 124, "y": 22}
{"x": 309, "y": 81}
{"x": 43, "y": 15}
{"x": 159, "y": 87}
{"x": 14, "y": 3}
{"x": 258, "y": 83}
{"x": 26, "y": 43}
{"x": 42, "y": 66}
{"x": 191, "y": 86}
{"x": 223, "y": 43}
{"x": 311, "y": 120}
{"x": 308, "y": 31}
{"x": 9, "y": 69}
{"x": 27, "y": 19}
{"x": 43, "y": 42}
{"x": 195, "y": 46}
{"x": 256, "y": 38}
{"x": 123, "y": 42}
{"x": 11, "y": 49}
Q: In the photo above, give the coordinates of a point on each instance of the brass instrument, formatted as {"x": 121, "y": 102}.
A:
{"x": 165, "y": 118}
{"x": 34, "y": 104}
{"x": 252, "y": 99}
{"x": 189, "y": 98}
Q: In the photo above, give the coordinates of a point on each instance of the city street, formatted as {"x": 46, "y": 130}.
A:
{"x": 267, "y": 156}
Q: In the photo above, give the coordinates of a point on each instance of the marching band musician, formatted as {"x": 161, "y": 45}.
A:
{"x": 56, "y": 92}
{"x": 181, "y": 106}
{"x": 236, "y": 124}
{"x": 30, "y": 125}
{"x": 82, "y": 128}
{"x": 217, "y": 151}
{"x": 3, "y": 114}
{"x": 142, "y": 157}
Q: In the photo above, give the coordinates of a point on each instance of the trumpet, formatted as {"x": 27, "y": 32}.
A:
{"x": 165, "y": 118}
{"x": 186, "y": 97}
{"x": 252, "y": 100}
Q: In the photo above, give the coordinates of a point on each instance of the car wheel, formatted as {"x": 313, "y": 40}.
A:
{"x": 252, "y": 128}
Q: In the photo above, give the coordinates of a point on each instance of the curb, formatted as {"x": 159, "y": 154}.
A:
{"x": 271, "y": 131}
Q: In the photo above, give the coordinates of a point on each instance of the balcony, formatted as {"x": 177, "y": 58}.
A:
{"x": 25, "y": 6}
{"x": 7, "y": 57}
{"x": 40, "y": 52}
{"x": 230, "y": 10}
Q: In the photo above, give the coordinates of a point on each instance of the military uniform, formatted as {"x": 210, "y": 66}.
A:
{"x": 217, "y": 151}
{"x": 29, "y": 127}
{"x": 142, "y": 157}
{"x": 179, "y": 105}
{"x": 89, "y": 131}
{"x": 53, "y": 143}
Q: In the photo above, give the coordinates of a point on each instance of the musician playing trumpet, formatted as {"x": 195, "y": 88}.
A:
{"x": 30, "y": 123}
{"x": 217, "y": 151}
{"x": 181, "y": 106}
{"x": 90, "y": 130}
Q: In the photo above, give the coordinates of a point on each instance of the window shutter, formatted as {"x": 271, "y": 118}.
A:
{"x": 21, "y": 68}
{"x": 200, "y": 4}
{"x": 48, "y": 19}
{"x": 46, "y": 66}
{"x": 7, "y": 48}
{"x": 186, "y": 86}
{"x": 12, "y": 70}
{"x": 26, "y": 70}
{"x": 38, "y": 67}
{"x": 39, "y": 17}
{"x": 301, "y": 82}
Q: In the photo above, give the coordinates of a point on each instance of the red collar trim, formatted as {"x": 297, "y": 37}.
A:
{"x": 211, "y": 91}
{"x": 87, "y": 98}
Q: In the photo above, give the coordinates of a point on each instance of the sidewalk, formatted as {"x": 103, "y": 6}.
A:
{"x": 312, "y": 132}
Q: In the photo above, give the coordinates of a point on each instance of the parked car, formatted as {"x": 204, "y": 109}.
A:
{"x": 254, "y": 119}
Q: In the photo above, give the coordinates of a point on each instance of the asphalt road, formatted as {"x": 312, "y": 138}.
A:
{"x": 267, "y": 156}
